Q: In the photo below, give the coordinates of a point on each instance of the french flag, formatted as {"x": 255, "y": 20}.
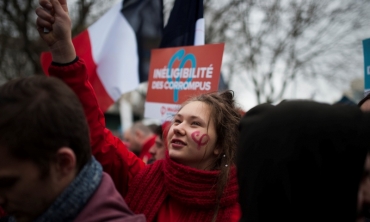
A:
{"x": 116, "y": 48}
{"x": 185, "y": 25}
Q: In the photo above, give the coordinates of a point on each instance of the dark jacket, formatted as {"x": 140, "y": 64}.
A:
{"x": 106, "y": 204}
{"x": 301, "y": 161}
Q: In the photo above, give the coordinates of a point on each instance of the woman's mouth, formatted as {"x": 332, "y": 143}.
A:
{"x": 177, "y": 144}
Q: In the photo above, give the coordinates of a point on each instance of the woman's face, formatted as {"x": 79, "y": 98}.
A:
{"x": 192, "y": 137}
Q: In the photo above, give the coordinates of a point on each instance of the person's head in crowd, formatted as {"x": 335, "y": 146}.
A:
{"x": 364, "y": 104}
{"x": 136, "y": 136}
{"x": 304, "y": 161}
{"x": 153, "y": 127}
{"x": 44, "y": 144}
{"x": 158, "y": 150}
{"x": 126, "y": 137}
{"x": 204, "y": 133}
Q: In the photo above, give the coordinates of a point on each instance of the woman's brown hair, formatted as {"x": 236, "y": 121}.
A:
{"x": 225, "y": 116}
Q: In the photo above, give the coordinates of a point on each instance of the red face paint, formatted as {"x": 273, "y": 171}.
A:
{"x": 203, "y": 140}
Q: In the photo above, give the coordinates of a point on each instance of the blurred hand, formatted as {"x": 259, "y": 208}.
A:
{"x": 53, "y": 15}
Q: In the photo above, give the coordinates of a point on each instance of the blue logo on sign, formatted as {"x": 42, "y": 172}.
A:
{"x": 180, "y": 55}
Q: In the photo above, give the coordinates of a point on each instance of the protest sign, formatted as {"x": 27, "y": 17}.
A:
{"x": 179, "y": 73}
{"x": 366, "y": 47}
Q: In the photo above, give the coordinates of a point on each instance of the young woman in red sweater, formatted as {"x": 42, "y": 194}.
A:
{"x": 196, "y": 181}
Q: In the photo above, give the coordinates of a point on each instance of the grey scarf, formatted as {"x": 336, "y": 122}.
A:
{"x": 72, "y": 200}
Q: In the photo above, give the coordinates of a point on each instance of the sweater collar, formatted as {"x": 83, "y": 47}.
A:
{"x": 198, "y": 187}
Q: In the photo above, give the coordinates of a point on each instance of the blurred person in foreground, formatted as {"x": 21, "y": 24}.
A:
{"x": 304, "y": 161}
{"x": 364, "y": 104}
{"x": 47, "y": 172}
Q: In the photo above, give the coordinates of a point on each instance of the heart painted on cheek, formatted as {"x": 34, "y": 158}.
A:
{"x": 203, "y": 140}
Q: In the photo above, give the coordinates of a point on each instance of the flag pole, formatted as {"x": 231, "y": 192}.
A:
{"x": 125, "y": 110}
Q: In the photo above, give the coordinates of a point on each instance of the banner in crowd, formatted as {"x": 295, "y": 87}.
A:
{"x": 366, "y": 47}
{"x": 179, "y": 73}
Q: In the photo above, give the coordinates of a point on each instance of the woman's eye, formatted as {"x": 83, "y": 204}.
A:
{"x": 196, "y": 123}
{"x": 177, "y": 121}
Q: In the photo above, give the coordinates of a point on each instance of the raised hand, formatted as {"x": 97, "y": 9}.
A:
{"x": 53, "y": 15}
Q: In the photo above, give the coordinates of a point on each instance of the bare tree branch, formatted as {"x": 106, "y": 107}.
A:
{"x": 279, "y": 41}
{"x": 20, "y": 45}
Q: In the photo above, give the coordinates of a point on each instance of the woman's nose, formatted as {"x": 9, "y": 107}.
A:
{"x": 152, "y": 150}
{"x": 179, "y": 130}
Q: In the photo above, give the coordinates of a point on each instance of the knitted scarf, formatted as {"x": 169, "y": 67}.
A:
{"x": 72, "y": 200}
{"x": 195, "y": 189}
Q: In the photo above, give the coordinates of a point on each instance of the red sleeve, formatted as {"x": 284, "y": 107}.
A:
{"x": 121, "y": 164}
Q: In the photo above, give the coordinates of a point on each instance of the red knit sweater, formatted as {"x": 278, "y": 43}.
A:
{"x": 172, "y": 211}
{"x": 184, "y": 193}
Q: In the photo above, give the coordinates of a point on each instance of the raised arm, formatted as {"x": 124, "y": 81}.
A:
{"x": 114, "y": 156}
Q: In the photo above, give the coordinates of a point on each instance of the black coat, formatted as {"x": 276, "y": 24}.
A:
{"x": 301, "y": 161}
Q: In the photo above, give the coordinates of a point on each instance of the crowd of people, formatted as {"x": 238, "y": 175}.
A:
{"x": 295, "y": 161}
